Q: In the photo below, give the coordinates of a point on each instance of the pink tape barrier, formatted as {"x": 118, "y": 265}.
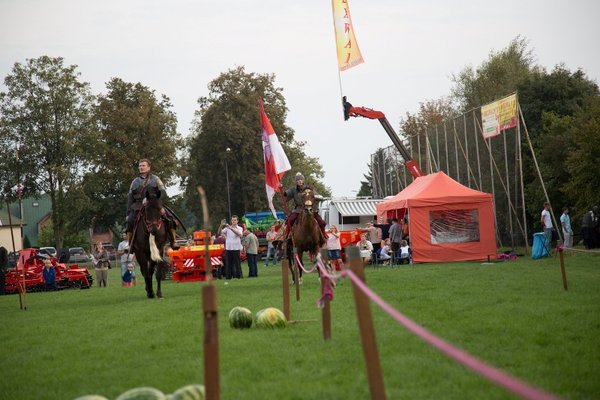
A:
{"x": 495, "y": 375}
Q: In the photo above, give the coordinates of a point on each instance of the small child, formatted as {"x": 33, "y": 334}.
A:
{"x": 49, "y": 275}
{"x": 405, "y": 252}
{"x": 129, "y": 275}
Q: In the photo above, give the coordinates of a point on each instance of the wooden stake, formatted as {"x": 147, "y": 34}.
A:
{"x": 296, "y": 276}
{"x": 562, "y": 268}
{"x": 211, "y": 342}
{"x": 285, "y": 284}
{"x": 326, "y": 310}
{"x": 365, "y": 325}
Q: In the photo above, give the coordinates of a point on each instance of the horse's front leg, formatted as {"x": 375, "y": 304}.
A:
{"x": 148, "y": 280}
{"x": 159, "y": 276}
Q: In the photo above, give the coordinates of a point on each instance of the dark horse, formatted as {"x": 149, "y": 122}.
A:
{"x": 306, "y": 233}
{"x": 150, "y": 236}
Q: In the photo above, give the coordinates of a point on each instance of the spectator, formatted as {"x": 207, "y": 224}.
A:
{"x": 404, "y": 252}
{"x": 49, "y": 275}
{"x": 271, "y": 236}
{"x": 385, "y": 252}
{"x": 220, "y": 239}
{"x": 565, "y": 221}
{"x": 101, "y": 264}
{"x": 395, "y": 235}
{"x": 374, "y": 236}
{"x": 589, "y": 227}
{"x": 129, "y": 275}
{"x": 3, "y": 268}
{"x": 334, "y": 247}
{"x": 405, "y": 232}
{"x": 251, "y": 246}
{"x": 233, "y": 246}
{"x": 546, "y": 220}
{"x": 385, "y": 230}
{"x": 126, "y": 256}
{"x": 365, "y": 247}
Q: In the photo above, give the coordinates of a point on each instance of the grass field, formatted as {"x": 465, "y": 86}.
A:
{"x": 514, "y": 315}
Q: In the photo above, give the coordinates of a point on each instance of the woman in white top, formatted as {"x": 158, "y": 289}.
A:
{"x": 334, "y": 247}
{"x": 366, "y": 248}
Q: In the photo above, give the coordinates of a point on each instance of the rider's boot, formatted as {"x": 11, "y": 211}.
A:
{"x": 172, "y": 239}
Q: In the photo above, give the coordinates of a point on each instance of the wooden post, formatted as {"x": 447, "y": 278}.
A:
{"x": 326, "y": 310}
{"x": 562, "y": 268}
{"x": 211, "y": 342}
{"x": 285, "y": 283}
{"x": 296, "y": 275}
{"x": 365, "y": 325}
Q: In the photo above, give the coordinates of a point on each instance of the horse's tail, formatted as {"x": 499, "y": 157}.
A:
{"x": 154, "y": 252}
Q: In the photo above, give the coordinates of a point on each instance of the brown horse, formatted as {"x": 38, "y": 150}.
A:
{"x": 150, "y": 236}
{"x": 306, "y": 233}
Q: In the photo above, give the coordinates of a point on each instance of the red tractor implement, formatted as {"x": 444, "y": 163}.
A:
{"x": 31, "y": 264}
{"x": 188, "y": 263}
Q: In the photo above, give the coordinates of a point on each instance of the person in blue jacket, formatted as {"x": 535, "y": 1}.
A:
{"x": 49, "y": 275}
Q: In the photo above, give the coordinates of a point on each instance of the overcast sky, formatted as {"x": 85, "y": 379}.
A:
{"x": 411, "y": 49}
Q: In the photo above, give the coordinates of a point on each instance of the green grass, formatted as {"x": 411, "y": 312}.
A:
{"x": 514, "y": 315}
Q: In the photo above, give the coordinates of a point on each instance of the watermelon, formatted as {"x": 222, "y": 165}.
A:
{"x": 240, "y": 318}
{"x": 189, "y": 392}
{"x": 142, "y": 393}
{"x": 270, "y": 318}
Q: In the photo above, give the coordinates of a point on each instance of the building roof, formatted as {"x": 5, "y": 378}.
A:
{"x": 356, "y": 207}
{"x": 4, "y": 220}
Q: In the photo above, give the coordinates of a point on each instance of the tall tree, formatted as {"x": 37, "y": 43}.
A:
{"x": 496, "y": 77}
{"x": 228, "y": 119}
{"x": 45, "y": 117}
{"x": 133, "y": 123}
{"x": 583, "y": 160}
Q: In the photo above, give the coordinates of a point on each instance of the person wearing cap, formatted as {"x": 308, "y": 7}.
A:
{"x": 295, "y": 193}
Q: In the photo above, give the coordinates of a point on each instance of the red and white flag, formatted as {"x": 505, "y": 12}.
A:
{"x": 276, "y": 162}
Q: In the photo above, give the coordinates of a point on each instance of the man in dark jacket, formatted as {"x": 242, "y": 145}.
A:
{"x": 135, "y": 198}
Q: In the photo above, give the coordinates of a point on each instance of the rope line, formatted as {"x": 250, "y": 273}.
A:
{"x": 493, "y": 374}
{"x": 563, "y": 248}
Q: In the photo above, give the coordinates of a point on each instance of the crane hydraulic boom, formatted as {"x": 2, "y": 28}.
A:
{"x": 350, "y": 111}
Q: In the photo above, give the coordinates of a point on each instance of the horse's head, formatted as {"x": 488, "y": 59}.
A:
{"x": 308, "y": 199}
{"x": 153, "y": 198}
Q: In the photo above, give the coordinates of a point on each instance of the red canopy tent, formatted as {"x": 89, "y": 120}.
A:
{"x": 447, "y": 221}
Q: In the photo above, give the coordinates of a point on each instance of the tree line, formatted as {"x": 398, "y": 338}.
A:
{"x": 561, "y": 109}
{"x": 82, "y": 149}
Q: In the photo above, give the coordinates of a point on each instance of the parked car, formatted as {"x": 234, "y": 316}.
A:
{"x": 78, "y": 255}
{"x": 112, "y": 252}
{"x": 51, "y": 251}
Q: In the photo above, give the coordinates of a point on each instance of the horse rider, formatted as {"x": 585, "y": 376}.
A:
{"x": 295, "y": 193}
{"x": 135, "y": 200}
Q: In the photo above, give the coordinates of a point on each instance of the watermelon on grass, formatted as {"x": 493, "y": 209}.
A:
{"x": 142, "y": 393}
{"x": 189, "y": 392}
{"x": 270, "y": 318}
{"x": 240, "y": 318}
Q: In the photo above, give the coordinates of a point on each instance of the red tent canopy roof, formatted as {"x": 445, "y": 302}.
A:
{"x": 432, "y": 189}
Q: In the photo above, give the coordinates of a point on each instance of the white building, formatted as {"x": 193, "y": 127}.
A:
{"x": 348, "y": 213}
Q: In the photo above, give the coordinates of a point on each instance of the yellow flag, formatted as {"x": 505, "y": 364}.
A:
{"x": 348, "y": 53}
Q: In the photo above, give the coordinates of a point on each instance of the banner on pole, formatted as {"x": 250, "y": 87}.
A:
{"x": 348, "y": 53}
{"x": 276, "y": 162}
{"x": 499, "y": 115}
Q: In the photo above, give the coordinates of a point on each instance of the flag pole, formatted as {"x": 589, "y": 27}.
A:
{"x": 334, "y": 35}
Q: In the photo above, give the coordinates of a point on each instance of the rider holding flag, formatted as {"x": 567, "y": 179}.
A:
{"x": 295, "y": 193}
